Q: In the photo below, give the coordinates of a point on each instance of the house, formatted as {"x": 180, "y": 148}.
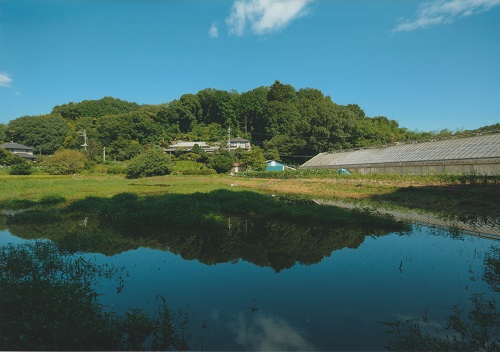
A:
{"x": 19, "y": 150}
{"x": 188, "y": 146}
{"x": 238, "y": 142}
{"x": 273, "y": 165}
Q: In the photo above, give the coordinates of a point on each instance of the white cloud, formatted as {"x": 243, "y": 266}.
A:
{"x": 213, "y": 32}
{"x": 439, "y": 12}
{"x": 5, "y": 80}
{"x": 264, "y": 16}
{"x": 266, "y": 333}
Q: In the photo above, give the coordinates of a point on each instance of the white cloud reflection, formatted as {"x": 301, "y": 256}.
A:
{"x": 259, "y": 332}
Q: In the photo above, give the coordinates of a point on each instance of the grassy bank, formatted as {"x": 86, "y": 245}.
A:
{"x": 421, "y": 193}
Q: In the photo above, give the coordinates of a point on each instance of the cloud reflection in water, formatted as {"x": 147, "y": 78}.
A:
{"x": 260, "y": 332}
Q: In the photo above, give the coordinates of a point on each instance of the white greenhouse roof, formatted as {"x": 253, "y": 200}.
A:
{"x": 481, "y": 147}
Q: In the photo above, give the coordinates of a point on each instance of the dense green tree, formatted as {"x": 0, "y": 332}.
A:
{"x": 46, "y": 132}
{"x": 153, "y": 162}
{"x": 3, "y": 133}
{"x": 22, "y": 168}
{"x": 250, "y": 108}
{"x": 124, "y": 149}
{"x": 281, "y": 118}
{"x": 65, "y": 162}
{"x": 281, "y": 92}
{"x": 137, "y": 126}
{"x": 185, "y": 112}
{"x": 218, "y": 106}
{"x": 358, "y": 112}
{"x": 95, "y": 108}
{"x": 221, "y": 163}
{"x": 285, "y": 145}
{"x": 254, "y": 159}
{"x": 7, "y": 158}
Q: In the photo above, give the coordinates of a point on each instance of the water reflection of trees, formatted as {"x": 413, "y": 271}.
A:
{"x": 198, "y": 227}
{"x": 47, "y": 302}
{"x": 474, "y": 329}
{"x": 477, "y": 329}
{"x": 492, "y": 268}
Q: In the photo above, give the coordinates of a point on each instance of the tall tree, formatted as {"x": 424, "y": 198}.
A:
{"x": 46, "y": 132}
{"x": 94, "y": 108}
{"x": 3, "y": 133}
{"x": 250, "y": 108}
{"x": 218, "y": 106}
{"x": 281, "y": 92}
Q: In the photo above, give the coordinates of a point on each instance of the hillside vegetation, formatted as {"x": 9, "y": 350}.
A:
{"x": 288, "y": 124}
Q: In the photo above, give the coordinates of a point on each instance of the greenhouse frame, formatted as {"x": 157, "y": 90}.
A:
{"x": 480, "y": 154}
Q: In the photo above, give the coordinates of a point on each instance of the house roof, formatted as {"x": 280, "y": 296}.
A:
{"x": 487, "y": 146}
{"x": 26, "y": 155}
{"x": 15, "y": 146}
{"x": 189, "y": 144}
{"x": 238, "y": 139}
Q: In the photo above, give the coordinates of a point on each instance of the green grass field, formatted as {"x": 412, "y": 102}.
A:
{"x": 416, "y": 193}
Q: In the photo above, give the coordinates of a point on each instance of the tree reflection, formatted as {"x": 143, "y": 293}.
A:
{"x": 47, "y": 302}
{"x": 492, "y": 268}
{"x": 260, "y": 229}
{"x": 477, "y": 329}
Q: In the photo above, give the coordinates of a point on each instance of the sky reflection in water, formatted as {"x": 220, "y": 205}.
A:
{"x": 338, "y": 303}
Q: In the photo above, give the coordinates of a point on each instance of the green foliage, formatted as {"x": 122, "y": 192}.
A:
{"x": 190, "y": 167}
{"x": 154, "y": 162}
{"x": 221, "y": 163}
{"x": 3, "y": 133}
{"x": 65, "y": 162}
{"x": 94, "y": 108}
{"x": 254, "y": 159}
{"x": 7, "y": 158}
{"x": 46, "y": 132}
{"x": 47, "y": 303}
{"x": 123, "y": 149}
{"x": 295, "y": 123}
{"x": 23, "y": 168}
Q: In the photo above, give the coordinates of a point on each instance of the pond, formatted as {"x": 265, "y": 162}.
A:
{"x": 267, "y": 285}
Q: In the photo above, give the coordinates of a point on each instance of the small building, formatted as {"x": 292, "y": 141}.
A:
{"x": 19, "y": 150}
{"x": 273, "y": 165}
{"x": 188, "y": 146}
{"x": 238, "y": 142}
{"x": 237, "y": 167}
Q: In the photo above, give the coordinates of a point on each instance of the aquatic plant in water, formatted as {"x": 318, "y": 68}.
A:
{"x": 47, "y": 302}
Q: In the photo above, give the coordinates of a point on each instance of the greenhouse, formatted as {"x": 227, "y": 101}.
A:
{"x": 479, "y": 154}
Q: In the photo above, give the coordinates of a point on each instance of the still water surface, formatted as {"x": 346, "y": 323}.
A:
{"x": 338, "y": 303}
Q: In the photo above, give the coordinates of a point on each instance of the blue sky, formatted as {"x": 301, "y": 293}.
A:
{"x": 429, "y": 65}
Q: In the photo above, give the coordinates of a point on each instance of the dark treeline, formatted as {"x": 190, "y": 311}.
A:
{"x": 287, "y": 123}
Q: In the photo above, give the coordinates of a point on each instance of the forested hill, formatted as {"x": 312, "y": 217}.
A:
{"x": 294, "y": 124}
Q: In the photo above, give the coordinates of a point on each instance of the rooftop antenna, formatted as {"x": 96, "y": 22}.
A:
{"x": 84, "y": 134}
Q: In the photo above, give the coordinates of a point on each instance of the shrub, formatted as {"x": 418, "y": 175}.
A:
{"x": 152, "y": 163}
{"x": 65, "y": 162}
{"x": 221, "y": 163}
{"x": 23, "y": 168}
{"x": 7, "y": 158}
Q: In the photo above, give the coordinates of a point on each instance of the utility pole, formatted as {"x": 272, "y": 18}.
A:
{"x": 103, "y": 153}
{"x": 229, "y": 138}
{"x": 84, "y": 134}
